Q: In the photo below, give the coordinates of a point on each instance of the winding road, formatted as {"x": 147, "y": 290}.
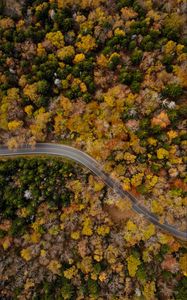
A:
{"x": 95, "y": 167}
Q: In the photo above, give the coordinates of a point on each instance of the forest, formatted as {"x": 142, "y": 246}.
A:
{"x": 110, "y": 78}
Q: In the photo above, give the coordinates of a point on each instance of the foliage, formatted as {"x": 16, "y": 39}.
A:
{"x": 86, "y": 43}
{"x": 173, "y": 91}
{"x": 108, "y": 77}
{"x": 133, "y": 264}
{"x": 48, "y": 222}
{"x": 13, "y": 197}
{"x": 136, "y": 56}
{"x": 181, "y": 291}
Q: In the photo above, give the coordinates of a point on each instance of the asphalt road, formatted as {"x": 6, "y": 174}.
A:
{"x": 95, "y": 167}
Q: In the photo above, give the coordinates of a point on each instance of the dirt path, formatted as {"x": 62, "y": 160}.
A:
{"x": 117, "y": 215}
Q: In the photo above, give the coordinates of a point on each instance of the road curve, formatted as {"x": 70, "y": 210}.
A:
{"x": 95, "y": 167}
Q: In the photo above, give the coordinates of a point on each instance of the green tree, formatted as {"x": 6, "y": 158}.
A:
{"x": 136, "y": 56}
{"x": 43, "y": 87}
{"x": 172, "y": 90}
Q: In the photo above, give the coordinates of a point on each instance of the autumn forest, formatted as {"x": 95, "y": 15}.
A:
{"x": 108, "y": 77}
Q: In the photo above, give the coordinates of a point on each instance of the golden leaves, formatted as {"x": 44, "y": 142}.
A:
{"x": 82, "y": 3}
{"x": 131, "y": 226}
{"x": 65, "y": 52}
{"x": 119, "y": 32}
{"x": 87, "y": 227}
{"x": 36, "y": 224}
{"x": 115, "y": 97}
{"x": 6, "y": 23}
{"x": 134, "y": 233}
{"x": 174, "y": 20}
{"x": 172, "y": 134}
{"x": 152, "y": 141}
{"x": 56, "y": 39}
{"x": 149, "y": 290}
{"x": 102, "y": 61}
{"x": 39, "y": 126}
{"x": 12, "y": 143}
{"x": 111, "y": 254}
{"x": 136, "y": 179}
{"x": 58, "y": 126}
{"x": 183, "y": 263}
{"x": 83, "y": 87}
{"x": 170, "y": 47}
{"x": 79, "y": 58}
{"x": 130, "y": 158}
{"x": 30, "y": 90}
{"x": 22, "y": 81}
{"x": 69, "y": 273}
{"x": 151, "y": 181}
{"x": 54, "y": 266}
{"x": 128, "y": 13}
{"x": 162, "y": 153}
{"x": 86, "y": 43}
{"x": 156, "y": 207}
{"x": 148, "y": 232}
{"x": 103, "y": 230}
{"x": 28, "y": 110}
{"x": 14, "y": 125}
{"x": 161, "y": 119}
{"x": 75, "y": 235}
{"x": 97, "y": 184}
{"x": 40, "y": 50}
{"x": 6, "y": 242}
{"x": 165, "y": 238}
{"x": 26, "y": 254}
{"x": 66, "y": 104}
{"x": 132, "y": 264}
{"x": 181, "y": 73}
{"x": 102, "y": 276}
{"x": 86, "y": 264}
{"x": 43, "y": 253}
{"x": 109, "y": 100}
{"x": 29, "y": 284}
{"x": 35, "y": 237}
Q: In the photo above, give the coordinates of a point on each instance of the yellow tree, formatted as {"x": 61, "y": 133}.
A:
{"x": 58, "y": 124}
{"x": 86, "y": 43}
{"x": 39, "y": 126}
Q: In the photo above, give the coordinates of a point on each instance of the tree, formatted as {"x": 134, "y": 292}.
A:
{"x": 172, "y": 91}
{"x": 43, "y": 87}
{"x": 113, "y": 61}
{"x": 135, "y": 86}
{"x": 14, "y": 125}
{"x": 86, "y": 43}
{"x": 56, "y": 39}
{"x": 136, "y": 56}
{"x": 147, "y": 43}
{"x": 66, "y": 53}
{"x": 38, "y": 128}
